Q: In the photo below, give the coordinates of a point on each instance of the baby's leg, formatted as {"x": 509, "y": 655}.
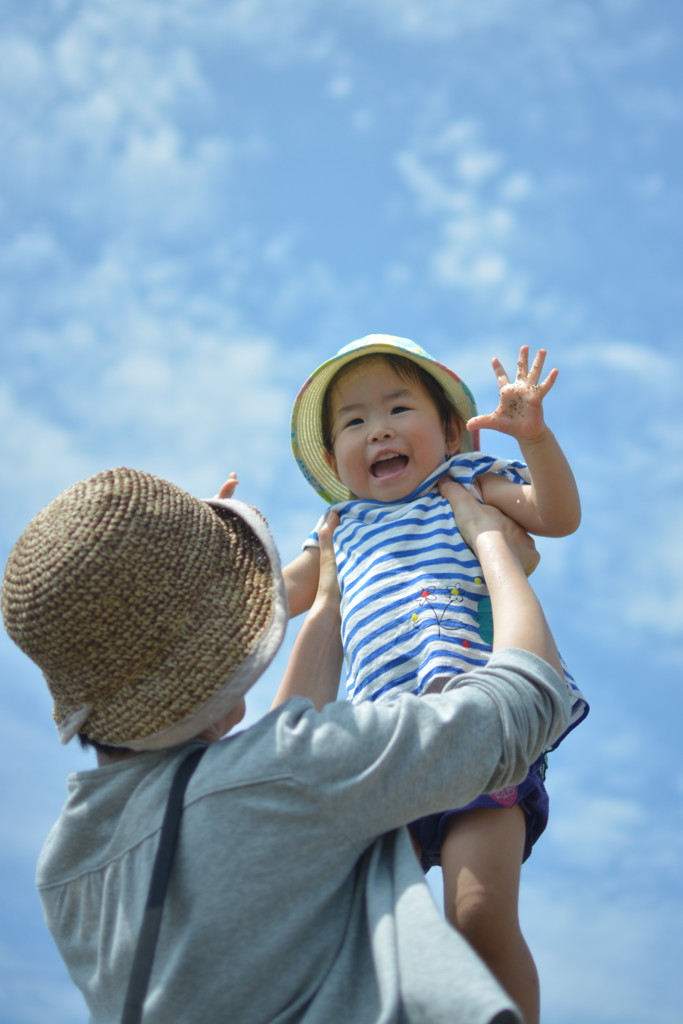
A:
{"x": 481, "y": 860}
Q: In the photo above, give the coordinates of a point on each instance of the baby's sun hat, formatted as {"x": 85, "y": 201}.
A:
{"x": 149, "y": 612}
{"x": 307, "y": 432}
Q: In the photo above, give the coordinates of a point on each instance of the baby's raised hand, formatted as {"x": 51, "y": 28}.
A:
{"x": 520, "y": 408}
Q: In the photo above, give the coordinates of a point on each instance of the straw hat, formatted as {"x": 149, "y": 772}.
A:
{"x": 149, "y": 611}
{"x": 307, "y": 434}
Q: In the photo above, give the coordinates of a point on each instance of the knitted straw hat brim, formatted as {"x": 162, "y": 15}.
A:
{"x": 150, "y": 612}
{"x": 307, "y": 433}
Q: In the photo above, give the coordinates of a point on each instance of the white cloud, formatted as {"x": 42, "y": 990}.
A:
{"x": 517, "y": 186}
{"x": 105, "y": 138}
{"x": 647, "y": 104}
{"x": 561, "y": 43}
{"x": 591, "y": 899}
{"x": 228, "y": 377}
{"x": 431, "y": 194}
{"x": 597, "y": 829}
{"x": 31, "y": 252}
{"x": 656, "y": 575}
{"x": 340, "y": 87}
{"x": 649, "y": 187}
{"x": 436, "y": 18}
{"x": 477, "y": 165}
{"x": 627, "y": 394}
{"x": 603, "y": 955}
{"x": 38, "y": 459}
{"x": 264, "y": 23}
{"x": 646, "y": 367}
{"x": 22, "y": 70}
{"x": 131, "y": 361}
{"x": 471, "y": 200}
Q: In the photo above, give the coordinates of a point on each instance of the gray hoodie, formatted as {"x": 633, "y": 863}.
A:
{"x": 296, "y": 895}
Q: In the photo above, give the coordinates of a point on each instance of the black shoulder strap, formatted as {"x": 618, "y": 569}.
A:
{"x": 149, "y": 930}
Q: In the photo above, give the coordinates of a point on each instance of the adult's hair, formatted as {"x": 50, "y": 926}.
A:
{"x": 101, "y": 748}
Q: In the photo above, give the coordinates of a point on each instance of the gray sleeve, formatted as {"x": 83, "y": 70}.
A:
{"x": 377, "y": 767}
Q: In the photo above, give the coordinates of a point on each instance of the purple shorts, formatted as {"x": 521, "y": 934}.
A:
{"x": 530, "y": 794}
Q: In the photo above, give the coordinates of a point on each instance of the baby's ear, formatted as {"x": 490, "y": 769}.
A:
{"x": 453, "y": 433}
{"x": 331, "y": 462}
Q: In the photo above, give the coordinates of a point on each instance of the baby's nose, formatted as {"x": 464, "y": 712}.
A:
{"x": 381, "y": 432}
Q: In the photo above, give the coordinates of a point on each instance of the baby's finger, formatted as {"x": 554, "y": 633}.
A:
{"x": 329, "y": 525}
{"x": 501, "y": 376}
{"x": 455, "y": 493}
{"x": 529, "y": 558}
{"x": 481, "y": 422}
{"x": 546, "y": 385}
{"x": 523, "y": 363}
{"x": 536, "y": 367}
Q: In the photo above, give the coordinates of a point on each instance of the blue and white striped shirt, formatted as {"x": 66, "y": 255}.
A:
{"x": 415, "y": 608}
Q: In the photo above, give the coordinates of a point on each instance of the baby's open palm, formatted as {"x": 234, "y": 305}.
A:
{"x": 520, "y": 408}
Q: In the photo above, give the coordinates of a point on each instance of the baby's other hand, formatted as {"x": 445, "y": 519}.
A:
{"x": 228, "y": 488}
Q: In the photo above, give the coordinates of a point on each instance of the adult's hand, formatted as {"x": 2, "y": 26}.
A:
{"x": 474, "y": 519}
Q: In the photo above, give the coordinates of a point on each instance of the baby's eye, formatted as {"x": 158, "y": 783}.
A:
{"x": 399, "y": 408}
{"x": 355, "y": 422}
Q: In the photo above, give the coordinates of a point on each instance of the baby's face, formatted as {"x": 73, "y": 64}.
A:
{"x": 387, "y": 434}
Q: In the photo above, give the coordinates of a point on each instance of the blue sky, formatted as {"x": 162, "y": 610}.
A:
{"x": 200, "y": 200}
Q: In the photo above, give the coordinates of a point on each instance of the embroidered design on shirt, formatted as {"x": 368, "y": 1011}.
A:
{"x": 449, "y": 617}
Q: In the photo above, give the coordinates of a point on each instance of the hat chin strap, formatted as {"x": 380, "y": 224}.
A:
{"x": 73, "y": 723}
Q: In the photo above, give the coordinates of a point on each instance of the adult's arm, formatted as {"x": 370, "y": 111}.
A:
{"x": 373, "y": 768}
{"x": 502, "y": 546}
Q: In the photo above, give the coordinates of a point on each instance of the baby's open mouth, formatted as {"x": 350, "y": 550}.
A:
{"x": 385, "y": 467}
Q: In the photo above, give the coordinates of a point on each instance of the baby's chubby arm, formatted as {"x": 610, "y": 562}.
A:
{"x": 300, "y": 575}
{"x": 550, "y": 504}
{"x": 507, "y": 556}
{"x": 301, "y": 580}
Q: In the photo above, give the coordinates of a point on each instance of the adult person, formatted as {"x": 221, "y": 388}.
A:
{"x": 295, "y": 895}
